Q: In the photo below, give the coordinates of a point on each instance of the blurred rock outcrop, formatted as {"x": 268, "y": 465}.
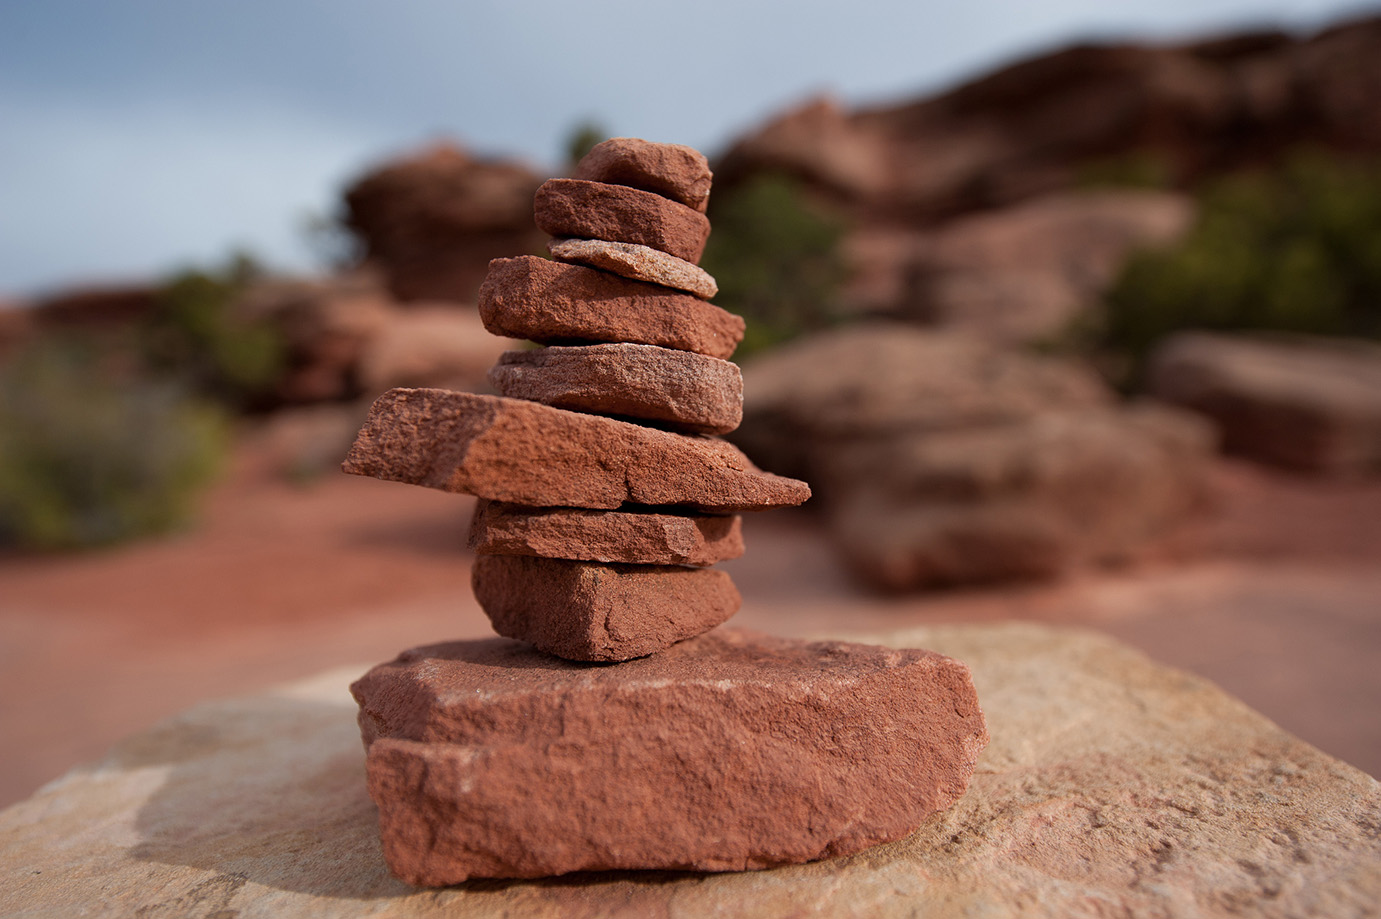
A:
{"x": 1306, "y": 403}
{"x": 940, "y": 458}
{"x": 432, "y": 221}
{"x": 1063, "y": 124}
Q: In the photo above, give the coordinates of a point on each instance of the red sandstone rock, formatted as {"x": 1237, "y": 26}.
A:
{"x": 674, "y": 171}
{"x": 527, "y": 453}
{"x": 550, "y": 302}
{"x": 685, "y": 390}
{"x": 639, "y": 538}
{"x": 638, "y": 263}
{"x": 728, "y": 751}
{"x": 587, "y": 611}
{"x": 597, "y": 210}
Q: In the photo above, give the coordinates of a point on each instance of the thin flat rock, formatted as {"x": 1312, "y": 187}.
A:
{"x": 634, "y": 538}
{"x": 598, "y": 210}
{"x": 556, "y": 303}
{"x": 687, "y": 391}
{"x": 729, "y": 751}
{"x": 528, "y": 453}
{"x": 588, "y": 611}
{"x": 639, "y": 263}
{"x": 674, "y": 171}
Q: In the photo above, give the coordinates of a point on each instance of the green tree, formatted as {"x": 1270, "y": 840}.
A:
{"x": 776, "y": 258}
{"x": 1295, "y": 249}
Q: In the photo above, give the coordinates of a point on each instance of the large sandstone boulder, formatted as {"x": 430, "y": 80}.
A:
{"x": 1038, "y": 126}
{"x": 1021, "y": 273}
{"x": 1305, "y": 403}
{"x": 946, "y": 459}
{"x": 433, "y": 220}
{"x": 1111, "y": 786}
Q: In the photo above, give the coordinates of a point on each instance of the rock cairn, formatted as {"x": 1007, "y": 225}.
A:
{"x": 605, "y": 499}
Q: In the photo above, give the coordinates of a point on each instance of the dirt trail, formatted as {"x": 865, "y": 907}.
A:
{"x": 1276, "y": 596}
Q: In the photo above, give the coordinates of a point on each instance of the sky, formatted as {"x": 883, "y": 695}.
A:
{"x": 143, "y": 136}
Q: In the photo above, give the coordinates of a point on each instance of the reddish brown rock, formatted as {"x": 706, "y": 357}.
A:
{"x": 728, "y": 751}
{"x": 639, "y": 538}
{"x": 598, "y": 210}
{"x": 587, "y": 611}
{"x": 672, "y": 170}
{"x": 685, "y": 390}
{"x": 552, "y": 303}
{"x": 639, "y": 263}
{"x": 527, "y": 453}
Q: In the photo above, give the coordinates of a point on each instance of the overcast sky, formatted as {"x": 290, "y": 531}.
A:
{"x": 142, "y": 135}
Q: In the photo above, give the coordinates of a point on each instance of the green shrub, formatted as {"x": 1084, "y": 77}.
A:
{"x": 776, "y": 258}
{"x": 87, "y": 461}
{"x": 1296, "y": 249}
{"x": 196, "y": 337}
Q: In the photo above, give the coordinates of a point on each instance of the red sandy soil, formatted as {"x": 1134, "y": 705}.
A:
{"x": 1275, "y": 595}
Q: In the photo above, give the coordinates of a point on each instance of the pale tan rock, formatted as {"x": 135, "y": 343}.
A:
{"x": 588, "y": 611}
{"x": 1112, "y": 785}
{"x": 639, "y": 263}
{"x": 675, "y": 171}
{"x": 526, "y": 453}
{"x": 633, "y": 538}
{"x": 684, "y": 390}
{"x": 597, "y": 210}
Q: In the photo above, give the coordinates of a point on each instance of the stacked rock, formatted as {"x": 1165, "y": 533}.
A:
{"x": 605, "y": 498}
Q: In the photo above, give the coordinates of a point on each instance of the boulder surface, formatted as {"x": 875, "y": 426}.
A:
{"x": 1112, "y": 785}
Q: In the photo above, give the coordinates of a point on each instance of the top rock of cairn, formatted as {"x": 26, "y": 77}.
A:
{"x": 604, "y": 504}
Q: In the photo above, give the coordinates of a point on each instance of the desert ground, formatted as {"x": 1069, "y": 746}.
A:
{"x": 1274, "y": 592}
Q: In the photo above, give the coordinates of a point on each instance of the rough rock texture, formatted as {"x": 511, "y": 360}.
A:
{"x": 1020, "y": 273}
{"x": 685, "y": 390}
{"x": 634, "y": 538}
{"x": 432, "y": 221}
{"x": 552, "y": 303}
{"x": 526, "y": 453}
{"x": 587, "y": 611}
{"x": 1306, "y": 403}
{"x": 674, "y": 171}
{"x": 945, "y": 459}
{"x": 640, "y": 263}
{"x": 665, "y": 763}
{"x": 597, "y": 210}
{"x": 1017, "y": 500}
{"x": 1112, "y": 785}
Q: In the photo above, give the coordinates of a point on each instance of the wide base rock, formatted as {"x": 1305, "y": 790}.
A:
{"x": 586, "y": 611}
{"x": 731, "y": 751}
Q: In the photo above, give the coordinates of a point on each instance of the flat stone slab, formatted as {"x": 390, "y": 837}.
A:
{"x": 598, "y": 210}
{"x": 730, "y": 751}
{"x": 555, "y": 303}
{"x": 588, "y": 611}
{"x": 687, "y": 391}
{"x": 674, "y": 171}
{"x": 1112, "y": 784}
{"x": 639, "y": 263}
{"x": 527, "y": 453}
{"x": 633, "y": 538}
